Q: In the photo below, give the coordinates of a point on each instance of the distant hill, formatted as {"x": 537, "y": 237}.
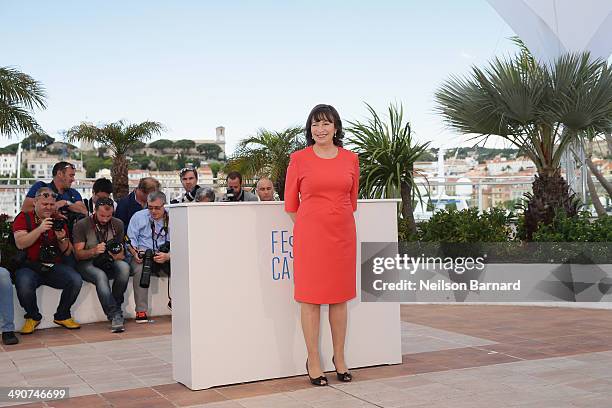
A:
{"x": 478, "y": 153}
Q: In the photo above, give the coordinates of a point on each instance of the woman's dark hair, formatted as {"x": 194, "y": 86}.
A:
{"x": 325, "y": 112}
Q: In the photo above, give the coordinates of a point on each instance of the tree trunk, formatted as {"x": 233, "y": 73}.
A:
{"x": 600, "y": 177}
{"x": 609, "y": 142}
{"x": 550, "y": 195}
{"x": 119, "y": 173}
{"x": 599, "y": 208}
{"x": 281, "y": 186}
{"x": 407, "y": 210}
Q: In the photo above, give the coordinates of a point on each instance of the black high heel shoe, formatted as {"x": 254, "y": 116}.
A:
{"x": 344, "y": 377}
{"x": 319, "y": 381}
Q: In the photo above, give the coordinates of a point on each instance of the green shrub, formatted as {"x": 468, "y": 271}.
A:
{"x": 464, "y": 226}
{"x": 575, "y": 229}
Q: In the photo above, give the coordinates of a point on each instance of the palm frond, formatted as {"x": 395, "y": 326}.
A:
{"x": 530, "y": 104}
{"x": 387, "y": 153}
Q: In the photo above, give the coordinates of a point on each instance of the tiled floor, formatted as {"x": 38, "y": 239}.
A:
{"x": 454, "y": 355}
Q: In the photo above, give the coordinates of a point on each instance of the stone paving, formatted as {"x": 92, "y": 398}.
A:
{"x": 454, "y": 356}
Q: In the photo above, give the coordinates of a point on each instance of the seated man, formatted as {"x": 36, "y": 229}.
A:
{"x": 47, "y": 247}
{"x": 102, "y": 188}
{"x": 205, "y": 195}
{"x": 98, "y": 246}
{"x": 150, "y": 245}
{"x": 265, "y": 189}
{"x": 189, "y": 180}
{"x": 6, "y": 309}
{"x": 235, "y": 192}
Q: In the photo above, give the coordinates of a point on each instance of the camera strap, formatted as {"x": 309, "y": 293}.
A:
{"x": 156, "y": 235}
{"x": 98, "y": 229}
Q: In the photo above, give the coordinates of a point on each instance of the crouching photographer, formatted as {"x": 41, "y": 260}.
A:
{"x": 98, "y": 246}
{"x": 149, "y": 241}
{"x": 45, "y": 247}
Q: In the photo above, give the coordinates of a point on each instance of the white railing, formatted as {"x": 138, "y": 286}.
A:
{"x": 481, "y": 193}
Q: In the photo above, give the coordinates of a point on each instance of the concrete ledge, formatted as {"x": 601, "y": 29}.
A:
{"x": 87, "y": 308}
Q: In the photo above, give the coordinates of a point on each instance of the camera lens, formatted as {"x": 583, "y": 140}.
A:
{"x": 58, "y": 224}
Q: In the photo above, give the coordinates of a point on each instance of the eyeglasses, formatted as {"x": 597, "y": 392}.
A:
{"x": 155, "y": 207}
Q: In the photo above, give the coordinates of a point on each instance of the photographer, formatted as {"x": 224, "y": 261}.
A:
{"x": 98, "y": 246}
{"x": 46, "y": 244}
{"x": 68, "y": 200}
{"x": 150, "y": 247}
{"x": 205, "y": 195}
{"x": 189, "y": 180}
{"x": 234, "y": 189}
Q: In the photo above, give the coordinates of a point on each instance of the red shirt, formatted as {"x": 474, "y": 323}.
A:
{"x": 33, "y": 251}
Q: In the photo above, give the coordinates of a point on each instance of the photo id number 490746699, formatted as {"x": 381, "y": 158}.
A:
{"x": 27, "y": 394}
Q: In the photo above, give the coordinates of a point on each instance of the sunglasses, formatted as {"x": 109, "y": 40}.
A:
{"x": 105, "y": 201}
{"x": 69, "y": 165}
{"x": 186, "y": 170}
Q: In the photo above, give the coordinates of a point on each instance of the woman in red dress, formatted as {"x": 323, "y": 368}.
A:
{"x": 320, "y": 197}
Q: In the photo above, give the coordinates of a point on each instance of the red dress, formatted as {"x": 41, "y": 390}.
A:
{"x": 323, "y": 192}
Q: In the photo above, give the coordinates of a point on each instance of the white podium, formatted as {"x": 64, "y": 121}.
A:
{"x": 234, "y": 318}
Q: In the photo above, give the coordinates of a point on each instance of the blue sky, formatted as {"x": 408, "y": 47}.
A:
{"x": 245, "y": 65}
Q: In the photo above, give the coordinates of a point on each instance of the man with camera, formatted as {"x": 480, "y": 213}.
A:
{"x": 69, "y": 201}
{"x": 46, "y": 247}
{"x": 149, "y": 240}
{"x": 189, "y": 180}
{"x": 98, "y": 246}
{"x": 205, "y": 195}
{"x": 235, "y": 191}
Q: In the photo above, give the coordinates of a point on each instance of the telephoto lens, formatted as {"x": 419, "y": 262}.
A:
{"x": 147, "y": 266}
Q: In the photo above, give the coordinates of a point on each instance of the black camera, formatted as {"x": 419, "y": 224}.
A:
{"x": 48, "y": 253}
{"x": 114, "y": 247}
{"x": 58, "y": 224}
{"x": 230, "y": 195}
{"x": 104, "y": 260}
{"x": 71, "y": 217}
{"x": 149, "y": 266}
{"x": 165, "y": 247}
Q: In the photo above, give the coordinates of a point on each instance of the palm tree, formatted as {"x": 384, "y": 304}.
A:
{"x": 541, "y": 109}
{"x": 387, "y": 153}
{"x": 20, "y": 94}
{"x": 267, "y": 154}
{"x": 118, "y": 138}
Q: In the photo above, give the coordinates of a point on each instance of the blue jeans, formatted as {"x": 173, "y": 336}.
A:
{"x": 60, "y": 276}
{"x": 6, "y": 302}
{"x": 111, "y": 300}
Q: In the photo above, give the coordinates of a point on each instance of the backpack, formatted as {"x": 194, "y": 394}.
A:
{"x": 21, "y": 255}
